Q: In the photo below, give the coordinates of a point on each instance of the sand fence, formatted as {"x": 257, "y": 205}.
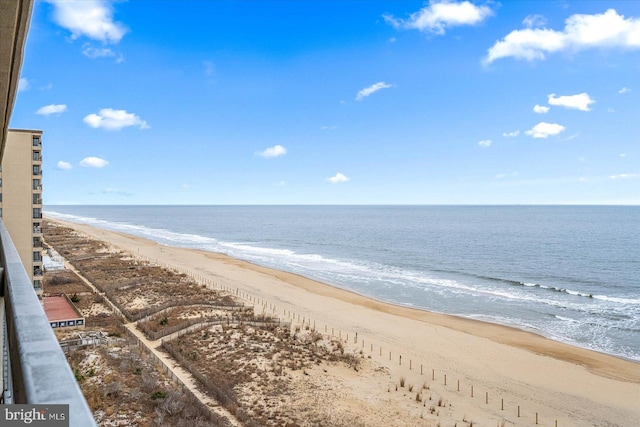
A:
{"x": 506, "y": 408}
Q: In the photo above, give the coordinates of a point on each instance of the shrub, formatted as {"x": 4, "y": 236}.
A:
{"x": 159, "y": 394}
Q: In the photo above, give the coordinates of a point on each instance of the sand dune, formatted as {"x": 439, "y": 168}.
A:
{"x": 506, "y": 367}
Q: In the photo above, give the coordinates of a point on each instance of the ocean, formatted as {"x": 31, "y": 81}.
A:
{"x": 570, "y": 273}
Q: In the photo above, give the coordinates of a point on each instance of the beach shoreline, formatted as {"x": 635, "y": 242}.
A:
{"x": 532, "y": 367}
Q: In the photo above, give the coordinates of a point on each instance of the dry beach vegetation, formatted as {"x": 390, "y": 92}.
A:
{"x": 232, "y": 343}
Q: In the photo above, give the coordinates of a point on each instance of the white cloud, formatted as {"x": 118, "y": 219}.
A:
{"x": 532, "y": 21}
{"x": 485, "y": 143}
{"x": 185, "y": 186}
{"x": 605, "y": 30}
{"x": 89, "y": 18}
{"x": 504, "y": 175}
{"x": 511, "y": 134}
{"x": 623, "y": 155}
{"x": 52, "y": 109}
{"x": 209, "y": 68}
{"x": 540, "y": 109}
{"x": 544, "y": 130}
{"x": 275, "y": 151}
{"x": 23, "y": 84}
{"x": 337, "y": 178}
{"x": 116, "y": 191}
{"x": 96, "y": 52}
{"x": 611, "y": 110}
{"x": 93, "y": 162}
{"x": 65, "y": 166}
{"x": 625, "y": 176}
{"x": 329, "y": 127}
{"x": 439, "y": 15}
{"x": 580, "y": 101}
{"x": 111, "y": 119}
{"x": 624, "y": 90}
{"x": 372, "y": 89}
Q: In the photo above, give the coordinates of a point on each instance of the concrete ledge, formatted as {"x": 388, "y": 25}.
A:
{"x": 41, "y": 374}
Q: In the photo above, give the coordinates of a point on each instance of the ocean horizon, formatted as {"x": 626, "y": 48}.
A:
{"x": 569, "y": 273}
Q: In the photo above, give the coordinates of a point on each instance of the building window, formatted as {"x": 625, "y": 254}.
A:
{"x": 37, "y": 200}
{"x": 37, "y": 142}
{"x": 36, "y": 184}
{"x": 37, "y": 256}
{"x": 37, "y": 213}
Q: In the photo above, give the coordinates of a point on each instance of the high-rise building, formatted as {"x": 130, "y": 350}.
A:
{"x": 21, "y": 198}
{"x": 33, "y": 368}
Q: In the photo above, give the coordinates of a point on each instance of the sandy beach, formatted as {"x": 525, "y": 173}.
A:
{"x": 487, "y": 372}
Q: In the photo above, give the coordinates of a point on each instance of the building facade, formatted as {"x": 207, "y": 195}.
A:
{"x": 21, "y": 198}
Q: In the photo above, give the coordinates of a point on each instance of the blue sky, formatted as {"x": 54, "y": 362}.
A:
{"x": 335, "y": 102}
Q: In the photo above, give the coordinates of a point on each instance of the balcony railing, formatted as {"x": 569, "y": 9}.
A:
{"x": 35, "y": 369}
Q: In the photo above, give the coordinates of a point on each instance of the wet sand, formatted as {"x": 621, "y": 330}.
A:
{"x": 557, "y": 381}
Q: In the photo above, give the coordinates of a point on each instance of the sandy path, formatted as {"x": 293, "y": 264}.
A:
{"x": 181, "y": 373}
{"x": 154, "y": 346}
{"x": 559, "y": 382}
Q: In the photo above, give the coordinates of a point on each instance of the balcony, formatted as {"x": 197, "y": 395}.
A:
{"x": 37, "y": 229}
{"x": 37, "y": 142}
{"x": 35, "y": 370}
{"x": 37, "y": 157}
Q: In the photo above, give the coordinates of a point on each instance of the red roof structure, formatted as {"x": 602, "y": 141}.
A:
{"x": 60, "y": 311}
